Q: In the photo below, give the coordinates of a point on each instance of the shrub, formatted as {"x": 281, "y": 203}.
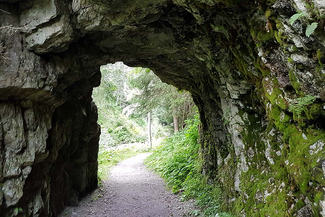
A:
{"x": 178, "y": 162}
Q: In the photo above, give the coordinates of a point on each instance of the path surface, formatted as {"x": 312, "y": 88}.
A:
{"x": 131, "y": 191}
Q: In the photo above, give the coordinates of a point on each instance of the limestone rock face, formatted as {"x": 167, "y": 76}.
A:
{"x": 257, "y": 80}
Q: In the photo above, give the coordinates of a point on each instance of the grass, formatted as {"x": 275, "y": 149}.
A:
{"x": 178, "y": 162}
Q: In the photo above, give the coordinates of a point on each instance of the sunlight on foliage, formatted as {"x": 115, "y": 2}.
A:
{"x": 111, "y": 98}
{"x": 178, "y": 162}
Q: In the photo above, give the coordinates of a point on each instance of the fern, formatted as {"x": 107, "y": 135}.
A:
{"x": 301, "y": 103}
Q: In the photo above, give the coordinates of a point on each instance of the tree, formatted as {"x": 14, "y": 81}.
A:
{"x": 111, "y": 98}
{"x": 170, "y": 104}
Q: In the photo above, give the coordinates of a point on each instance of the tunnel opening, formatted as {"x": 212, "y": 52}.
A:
{"x": 127, "y": 97}
{"x": 123, "y": 125}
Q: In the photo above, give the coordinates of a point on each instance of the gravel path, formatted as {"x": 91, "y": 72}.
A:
{"x": 131, "y": 191}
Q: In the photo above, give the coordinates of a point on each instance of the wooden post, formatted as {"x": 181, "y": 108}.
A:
{"x": 149, "y": 130}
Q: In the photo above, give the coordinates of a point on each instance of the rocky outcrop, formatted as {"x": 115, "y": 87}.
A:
{"x": 256, "y": 77}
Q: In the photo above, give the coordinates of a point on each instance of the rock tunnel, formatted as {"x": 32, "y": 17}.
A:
{"x": 256, "y": 77}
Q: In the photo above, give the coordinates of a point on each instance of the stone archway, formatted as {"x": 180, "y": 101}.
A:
{"x": 243, "y": 63}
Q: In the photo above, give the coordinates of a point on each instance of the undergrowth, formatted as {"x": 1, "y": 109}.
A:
{"x": 178, "y": 162}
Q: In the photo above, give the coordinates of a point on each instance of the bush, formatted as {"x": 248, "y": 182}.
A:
{"x": 178, "y": 162}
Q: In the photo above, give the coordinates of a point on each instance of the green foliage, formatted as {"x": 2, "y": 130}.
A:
{"x": 321, "y": 58}
{"x": 175, "y": 159}
{"x": 311, "y": 29}
{"x": 301, "y": 104}
{"x": 165, "y": 100}
{"x": 111, "y": 98}
{"x": 126, "y": 95}
{"x": 221, "y": 29}
{"x": 297, "y": 166}
{"x": 295, "y": 17}
{"x": 17, "y": 210}
{"x": 273, "y": 93}
{"x": 178, "y": 162}
{"x": 294, "y": 81}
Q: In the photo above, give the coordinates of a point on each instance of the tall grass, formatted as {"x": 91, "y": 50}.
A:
{"x": 177, "y": 160}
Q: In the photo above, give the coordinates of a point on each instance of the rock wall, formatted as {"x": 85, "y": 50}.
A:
{"x": 256, "y": 77}
{"x": 48, "y": 123}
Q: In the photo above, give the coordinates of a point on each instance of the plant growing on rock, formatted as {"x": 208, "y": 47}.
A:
{"x": 300, "y": 105}
{"x": 310, "y": 27}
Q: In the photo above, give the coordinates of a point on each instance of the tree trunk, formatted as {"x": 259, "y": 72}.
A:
{"x": 175, "y": 122}
{"x": 149, "y": 130}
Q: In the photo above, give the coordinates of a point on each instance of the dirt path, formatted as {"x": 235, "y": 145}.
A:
{"x": 131, "y": 191}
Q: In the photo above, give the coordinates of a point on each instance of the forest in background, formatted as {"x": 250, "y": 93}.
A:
{"x": 126, "y": 96}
